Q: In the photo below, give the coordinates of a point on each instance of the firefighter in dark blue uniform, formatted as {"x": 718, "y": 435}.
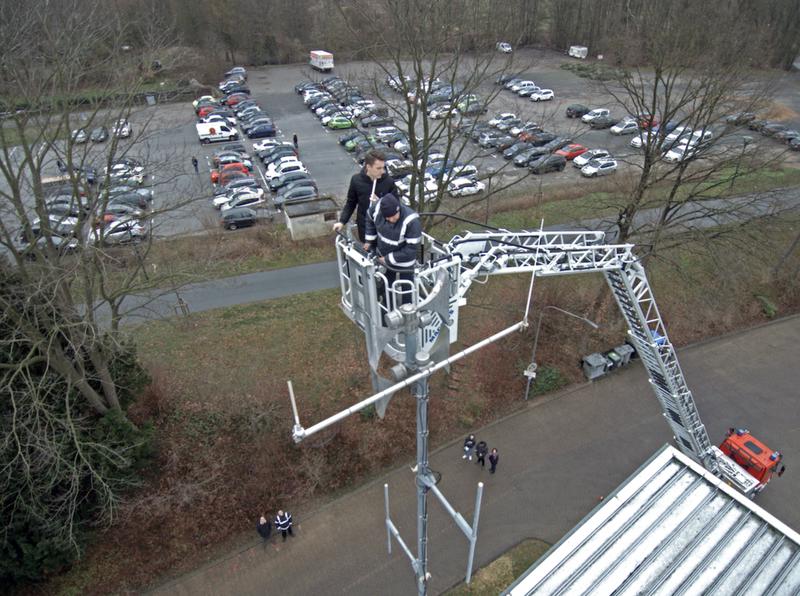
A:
{"x": 395, "y": 231}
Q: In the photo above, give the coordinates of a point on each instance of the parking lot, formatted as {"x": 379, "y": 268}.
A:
{"x": 183, "y": 202}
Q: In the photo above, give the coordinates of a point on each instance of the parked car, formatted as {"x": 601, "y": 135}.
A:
{"x": 398, "y": 168}
{"x": 740, "y": 118}
{"x": 601, "y": 166}
{"x": 626, "y": 126}
{"x": 440, "y": 111}
{"x": 489, "y": 138}
{"x": 787, "y": 135}
{"x": 794, "y": 144}
{"x": 237, "y": 71}
{"x": 99, "y": 134}
{"x": 504, "y": 142}
{"x": 524, "y": 84}
{"x": 516, "y": 149}
{"x": 572, "y": 151}
{"x": 122, "y": 128}
{"x": 681, "y": 152}
{"x": 463, "y": 187}
{"x": 577, "y": 110}
{"x": 757, "y": 125}
{"x": 233, "y": 185}
{"x": 502, "y": 117}
{"x": 285, "y": 168}
{"x": 540, "y": 138}
{"x": 646, "y": 120}
{"x": 296, "y": 195}
{"x": 508, "y": 124}
{"x": 80, "y": 136}
{"x": 602, "y": 122}
{"x": 595, "y": 113}
{"x": 119, "y": 231}
{"x": 548, "y": 163}
{"x": 770, "y": 130}
{"x": 339, "y": 122}
{"x": 261, "y": 131}
{"x": 528, "y": 156}
{"x": 376, "y": 120}
{"x": 204, "y": 99}
{"x": 542, "y": 95}
{"x": 245, "y": 191}
{"x": 242, "y": 217}
{"x": 284, "y": 179}
{"x": 589, "y": 155}
{"x": 529, "y": 126}
{"x": 504, "y": 47}
{"x": 251, "y": 200}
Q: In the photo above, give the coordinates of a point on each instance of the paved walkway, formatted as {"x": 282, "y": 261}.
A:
{"x": 559, "y": 454}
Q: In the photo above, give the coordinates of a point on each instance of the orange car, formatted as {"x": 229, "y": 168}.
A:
{"x": 231, "y": 167}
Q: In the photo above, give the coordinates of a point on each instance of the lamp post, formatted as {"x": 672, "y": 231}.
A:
{"x": 530, "y": 372}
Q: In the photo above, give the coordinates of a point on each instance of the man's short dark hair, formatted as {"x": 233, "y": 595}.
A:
{"x": 374, "y": 155}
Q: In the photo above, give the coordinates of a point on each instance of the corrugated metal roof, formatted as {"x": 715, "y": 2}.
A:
{"x": 671, "y": 528}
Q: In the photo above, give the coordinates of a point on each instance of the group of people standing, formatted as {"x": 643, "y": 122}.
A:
{"x": 481, "y": 449}
{"x": 283, "y": 523}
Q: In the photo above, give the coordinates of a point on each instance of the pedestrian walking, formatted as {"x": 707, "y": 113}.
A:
{"x": 295, "y": 141}
{"x": 264, "y": 528}
{"x": 481, "y": 449}
{"x": 469, "y": 445}
{"x": 494, "y": 457}
{"x": 61, "y": 167}
{"x": 283, "y": 522}
{"x": 194, "y": 165}
{"x": 366, "y": 187}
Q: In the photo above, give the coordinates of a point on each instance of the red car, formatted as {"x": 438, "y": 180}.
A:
{"x": 646, "y": 121}
{"x": 572, "y": 151}
{"x": 204, "y": 111}
{"x": 231, "y": 167}
{"x": 235, "y": 98}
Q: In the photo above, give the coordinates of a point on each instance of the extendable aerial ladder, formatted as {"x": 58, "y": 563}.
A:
{"x": 414, "y": 323}
{"x": 473, "y": 256}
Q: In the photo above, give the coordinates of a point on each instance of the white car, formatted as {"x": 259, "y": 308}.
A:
{"x": 640, "y": 140}
{"x": 122, "y": 171}
{"x": 463, "y": 171}
{"x": 542, "y": 95}
{"x": 504, "y": 47}
{"x": 678, "y": 132}
{"x": 625, "y": 127}
{"x": 269, "y": 144}
{"x": 599, "y": 167}
{"x": 121, "y": 129}
{"x": 522, "y": 85}
{"x": 700, "y": 136}
{"x": 463, "y": 187}
{"x": 221, "y": 119}
{"x": 596, "y": 113}
{"x": 404, "y": 184}
{"x": 285, "y": 168}
{"x": 203, "y": 98}
{"x": 680, "y": 152}
{"x": 235, "y": 194}
{"x": 243, "y": 200}
{"x": 119, "y": 232}
{"x": 441, "y": 111}
{"x": 591, "y": 154}
{"x": 433, "y": 158}
{"x": 500, "y": 118}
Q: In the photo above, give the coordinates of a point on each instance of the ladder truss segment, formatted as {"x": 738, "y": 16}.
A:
{"x": 649, "y": 336}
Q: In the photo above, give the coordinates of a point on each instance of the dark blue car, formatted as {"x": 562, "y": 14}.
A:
{"x": 261, "y": 131}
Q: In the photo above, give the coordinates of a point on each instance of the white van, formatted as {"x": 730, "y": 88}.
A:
{"x": 211, "y": 132}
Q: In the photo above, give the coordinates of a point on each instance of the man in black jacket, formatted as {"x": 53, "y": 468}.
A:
{"x": 366, "y": 187}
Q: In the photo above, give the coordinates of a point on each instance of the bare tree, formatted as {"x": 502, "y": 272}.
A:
{"x": 449, "y": 51}
{"x": 67, "y": 370}
{"x": 695, "y": 86}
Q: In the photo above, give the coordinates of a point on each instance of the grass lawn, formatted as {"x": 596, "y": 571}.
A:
{"x": 503, "y": 571}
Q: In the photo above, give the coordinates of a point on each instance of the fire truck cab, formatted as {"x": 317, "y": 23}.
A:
{"x": 752, "y": 455}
